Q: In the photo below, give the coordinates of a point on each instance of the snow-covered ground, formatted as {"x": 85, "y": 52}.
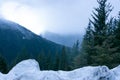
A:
{"x": 29, "y": 70}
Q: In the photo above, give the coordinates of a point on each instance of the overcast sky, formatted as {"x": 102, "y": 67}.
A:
{"x": 58, "y": 16}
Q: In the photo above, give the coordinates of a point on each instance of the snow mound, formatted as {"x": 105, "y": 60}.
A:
{"x": 29, "y": 70}
{"x": 25, "y": 66}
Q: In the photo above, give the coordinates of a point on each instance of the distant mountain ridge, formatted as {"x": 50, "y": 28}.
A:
{"x": 14, "y": 38}
{"x": 67, "y": 40}
{"x": 9, "y": 25}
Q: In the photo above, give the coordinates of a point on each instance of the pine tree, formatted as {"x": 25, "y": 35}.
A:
{"x": 83, "y": 58}
{"x": 117, "y": 33}
{"x": 41, "y": 60}
{"x": 3, "y": 65}
{"x": 75, "y": 52}
{"x": 23, "y": 55}
{"x": 116, "y": 41}
{"x": 76, "y": 48}
{"x": 112, "y": 26}
{"x": 48, "y": 63}
{"x": 96, "y": 36}
{"x": 100, "y": 21}
{"x": 88, "y": 44}
{"x": 105, "y": 53}
{"x": 57, "y": 62}
{"x": 63, "y": 65}
{"x": 80, "y": 61}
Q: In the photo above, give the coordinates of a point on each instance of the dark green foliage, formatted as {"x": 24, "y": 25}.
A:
{"x": 101, "y": 43}
{"x": 75, "y": 51}
{"x": 87, "y": 47}
{"x": 98, "y": 46}
{"x": 3, "y": 65}
{"x": 117, "y": 34}
{"x": 80, "y": 61}
{"x": 104, "y": 53}
{"x": 58, "y": 62}
{"x": 14, "y": 37}
{"x": 76, "y": 48}
{"x": 63, "y": 64}
{"x": 17, "y": 44}
{"x": 41, "y": 60}
{"x": 99, "y": 23}
{"x": 23, "y": 55}
{"x": 48, "y": 62}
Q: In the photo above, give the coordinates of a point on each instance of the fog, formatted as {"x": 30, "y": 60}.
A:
{"x": 58, "y": 16}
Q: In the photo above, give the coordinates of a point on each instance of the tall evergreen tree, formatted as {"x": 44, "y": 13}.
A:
{"x": 3, "y": 65}
{"x": 87, "y": 47}
{"x": 97, "y": 33}
{"x": 63, "y": 65}
{"x": 100, "y": 24}
{"x": 117, "y": 33}
{"x": 88, "y": 43}
{"x": 49, "y": 62}
{"x": 57, "y": 62}
{"x": 23, "y": 55}
{"x": 41, "y": 58}
{"x": 116, "y": 42}
{"x": 100, "y": 21}
{"x": 76, "y": 48}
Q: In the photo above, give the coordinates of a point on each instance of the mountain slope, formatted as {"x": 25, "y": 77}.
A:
{"x": 67, "y": 40}
{"x": 14, "y": 39}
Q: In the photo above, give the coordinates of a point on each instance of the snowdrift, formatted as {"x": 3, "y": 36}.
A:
{"x": 29, "y": 70}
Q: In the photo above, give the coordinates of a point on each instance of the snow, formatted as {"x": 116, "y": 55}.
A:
{"x": 29, "y": 70}
{"x": 116, "y": 72}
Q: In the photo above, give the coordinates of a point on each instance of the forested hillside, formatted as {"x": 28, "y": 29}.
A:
{"x": 17, "y": 44}
{"x": 100, "y": 44}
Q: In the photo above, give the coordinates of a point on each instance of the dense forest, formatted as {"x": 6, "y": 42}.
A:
{"x": 100, "y": 45}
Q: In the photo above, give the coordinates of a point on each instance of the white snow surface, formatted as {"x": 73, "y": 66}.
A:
{"x": 29, "y": 70}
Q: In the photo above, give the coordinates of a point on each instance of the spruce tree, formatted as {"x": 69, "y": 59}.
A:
{"x": 83, "y": 58}
{"x": 41, "y": 58}
{"x": 63, "y": 65}
{"x": 3, "y": 65}
{"x": 57, "y": 62}
{"x": 100, "y": 28}
{"x": 23, "y": 55}
{"x": 88, "y": 44}
{"x": 48, "y": 63}
{"x": 100, "y": 21}
{"x": 117, "y": 33}
{"x": 97, "y": 34}
{"x": 116, "y": 41}
{"x": 76, "y": 48}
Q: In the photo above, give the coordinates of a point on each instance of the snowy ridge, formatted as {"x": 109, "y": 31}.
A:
{"x": 29, "y": 70}
{"x": 6, "y": 24}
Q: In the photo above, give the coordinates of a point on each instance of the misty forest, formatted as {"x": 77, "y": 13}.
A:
{"x": 99, "y": 46}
